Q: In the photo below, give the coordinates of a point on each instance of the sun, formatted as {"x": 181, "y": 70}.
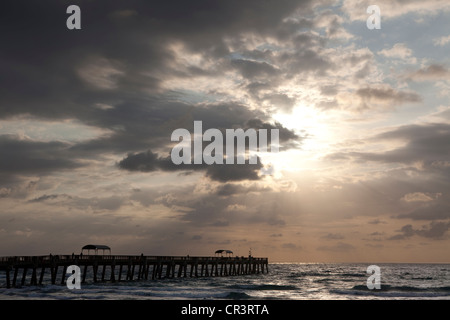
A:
{"x": 317, "y": 132}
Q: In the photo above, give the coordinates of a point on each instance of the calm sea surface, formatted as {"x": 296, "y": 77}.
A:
{"x": 284, "y": 281}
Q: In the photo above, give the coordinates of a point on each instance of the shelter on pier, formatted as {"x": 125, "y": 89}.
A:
{"x": 96, "y": 247}
{"x": 227, "y": 252}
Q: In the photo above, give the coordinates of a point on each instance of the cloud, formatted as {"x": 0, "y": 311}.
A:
{"x": 234, "y": 172}
{"x": 434, "y": 211}
{"x": 380, "y": 97}
{"x": 443, "y": 113}
{"x": 386, "y": 95}
{"x": 419, "y": 197}
{"x": 25, "y": 156}
{"x": 333, "y": 236}
{"x": 145, "y": 162}
{"x": 254, "y": 69}
{"x": 150, "y": 162}
{"x": 288, "y": 138}
{"x": 435, "y": 230}
{"x": 356, "y": 9}
{"x": 101, "y": 73}
{"x": 281, "y": 101}
{"x": 377, "y": 221}
{"x": 406, "y": 232}
{"x": 428, "y": 143}
{"x": 430, "y": 73}
{"x": 229, "y": 189}
{"x": 399, "y": 51}
{"x": 236, "y": 207}
{"x": 47, "y": 197}
{"x": 276, "y": 235}
{"x": 290, "y": 245}
{"x": 442, "y": 41}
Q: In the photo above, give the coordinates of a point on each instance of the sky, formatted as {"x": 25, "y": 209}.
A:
{"x": 86, "y": 117}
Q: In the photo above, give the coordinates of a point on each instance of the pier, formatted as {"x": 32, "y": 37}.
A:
{"x": 38, "y": 270}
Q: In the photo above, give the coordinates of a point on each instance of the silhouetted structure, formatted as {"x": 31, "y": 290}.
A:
{"x": 96, "y": 247}
{"x": 123, "y": 267}
{"x": 227, "y": 252}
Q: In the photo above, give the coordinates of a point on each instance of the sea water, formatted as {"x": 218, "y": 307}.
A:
{"x": 285, "y": 281}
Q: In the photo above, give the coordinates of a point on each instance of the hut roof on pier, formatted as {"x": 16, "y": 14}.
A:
{"x": 96, "y": 247}
{"x": 226, "y": 251}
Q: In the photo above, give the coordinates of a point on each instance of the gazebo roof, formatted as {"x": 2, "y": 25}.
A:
{"x": 226, "y": 251}
{"x": 96, "y": 247}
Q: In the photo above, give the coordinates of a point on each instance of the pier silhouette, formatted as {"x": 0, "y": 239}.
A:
{"x": 101, "y": 268}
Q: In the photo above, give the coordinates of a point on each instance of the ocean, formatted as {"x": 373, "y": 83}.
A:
{"x": 285, "y": 281}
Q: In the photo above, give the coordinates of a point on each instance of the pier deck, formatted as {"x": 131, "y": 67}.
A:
{"x": 123, "y": 267}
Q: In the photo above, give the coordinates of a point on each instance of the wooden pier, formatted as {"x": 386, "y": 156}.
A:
{"x": 52, "y": 268}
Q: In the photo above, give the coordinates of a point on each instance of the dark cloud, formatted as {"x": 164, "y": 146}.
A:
{"x": 148, "y": 123}
{"x": 432, "y": 72}
{"x": 305, "y": 61}
{"x": 429, "y": 143}
{"x": 435, "y": 211}
{"x": 25, "y": 156}
{"x": 149, "y": 162}
{"x": 288, "y": 138}
{"x": 290, "y": 245}
{"x": 234, "y": 172}
{"x": 254, "y": 69}
{"x": 406, "y": 232}
{"x": 333, "y": 236}
{"x": 387, "y": 94}
{"x": 220, "y": 224}
{"x": 435, "y": 230}
{"x": 281, "y": 101}
{"x": 47, "y": 197}
{"x": 276, "y": 235}
{"x": 377, "y": 221}
{"x": 331, "y": 90}
{"x": 145, "y": 162}
{"x": 229, "y": 189}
